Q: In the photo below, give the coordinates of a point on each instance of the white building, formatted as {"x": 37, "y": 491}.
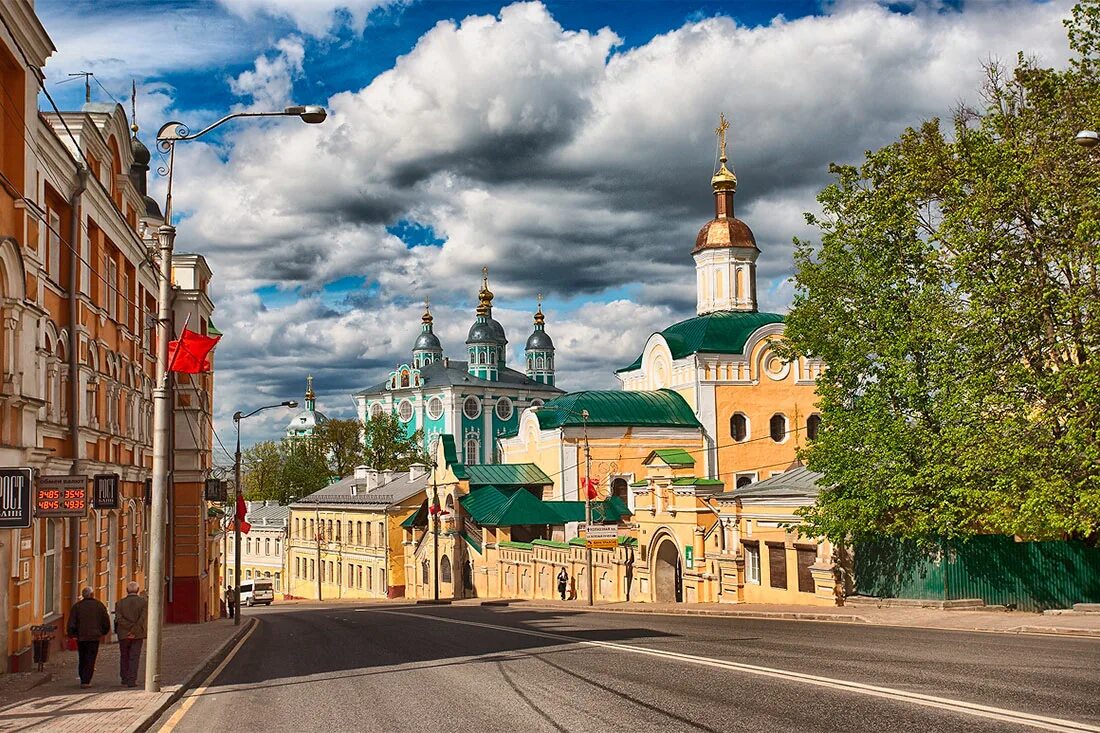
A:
{"x": 263, "y": 549}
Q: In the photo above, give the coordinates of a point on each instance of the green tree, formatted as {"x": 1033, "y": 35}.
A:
{"x": 260, "y": 468}
{"x": 341, "y": 444}
{"x": 387, "y": 448}
{"x": 954, "y": 298}
{"x": 303, "y": 469}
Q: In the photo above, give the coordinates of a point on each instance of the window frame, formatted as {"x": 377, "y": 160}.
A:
{"x": 786, "y": 428}
{"x": 752, "y": 562}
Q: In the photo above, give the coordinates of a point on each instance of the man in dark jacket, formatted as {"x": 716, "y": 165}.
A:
{"x": 130, "y": 613}
{"x": 88, "y": 622}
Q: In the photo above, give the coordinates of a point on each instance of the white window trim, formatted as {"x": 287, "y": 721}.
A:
{"x": 752, "y": 570}
{"x": 465, "y": 402}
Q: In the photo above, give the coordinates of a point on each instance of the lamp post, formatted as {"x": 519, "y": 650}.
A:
{"x": 583, "y": 415}
{"x": 237, "y": 417}
{"x": 170, "y": 134}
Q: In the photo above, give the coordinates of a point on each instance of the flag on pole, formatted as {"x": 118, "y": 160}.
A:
{"x": 188, "y": 354}
{"x": 242, "y": 510}
{"x": 590, "y": 485}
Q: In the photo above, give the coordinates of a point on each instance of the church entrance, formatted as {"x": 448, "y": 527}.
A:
{"x": 667, "y": 574}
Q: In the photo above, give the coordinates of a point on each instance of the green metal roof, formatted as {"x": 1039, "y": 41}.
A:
{"x": 722, "y": 332}
{"x": 490, "y": 506}
{"x": 551, "y": 543}
{"x": 419, "y": 518}
{"x": 506, "y": 474}
{"x": 611, "y": 509}
{"x": 672, "y": 456}
{"x": 692, "y": 481}
{"x": 661, "y": 408}
{"x": 212, "y": 330}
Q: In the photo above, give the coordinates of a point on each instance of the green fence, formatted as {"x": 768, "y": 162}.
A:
{"x": 1030, "y": 575}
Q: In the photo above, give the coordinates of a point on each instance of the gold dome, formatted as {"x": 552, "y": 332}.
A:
{"x": 722, "y": 232}
{"x": 724, "y": 179}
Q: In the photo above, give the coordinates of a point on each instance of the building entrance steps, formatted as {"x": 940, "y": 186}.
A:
{"x": 59, "y": 704}
{"x": 978, "y": 619}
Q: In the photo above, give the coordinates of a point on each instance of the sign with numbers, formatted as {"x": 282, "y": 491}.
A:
{"x": 15, "y": 497}
{"x": 105, "y": 491}
{"x": 61, "y": 496}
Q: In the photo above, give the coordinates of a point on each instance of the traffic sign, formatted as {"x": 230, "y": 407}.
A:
{"x": 15, "y": 498}
{"x": 61, "y": 496}
{"x": 601, "y": 536}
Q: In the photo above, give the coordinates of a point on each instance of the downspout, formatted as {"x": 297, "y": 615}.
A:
{"x": 74, "y": 361}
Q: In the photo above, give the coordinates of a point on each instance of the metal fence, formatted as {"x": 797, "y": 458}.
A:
{"x": 1031, "y": 576}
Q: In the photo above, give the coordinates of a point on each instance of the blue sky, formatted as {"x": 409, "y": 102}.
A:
{"x": 567, "y": 146}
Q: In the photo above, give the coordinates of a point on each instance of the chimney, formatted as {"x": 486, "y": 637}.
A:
{"x": 446, "y": 362}
{"x": 372, "y": 479}
{"x": 388, "y": 476}
{"x": 361, "y": 471}
{"x": 417, "y": 471}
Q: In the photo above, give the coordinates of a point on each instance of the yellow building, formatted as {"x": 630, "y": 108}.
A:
{"x": 346, "y": 539}
{"x": 755, "y": 407}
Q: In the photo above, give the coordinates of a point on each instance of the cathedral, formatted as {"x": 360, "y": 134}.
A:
{"x": 476, "y": 400}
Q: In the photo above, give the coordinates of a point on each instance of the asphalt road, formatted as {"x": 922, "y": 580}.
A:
{"x": 387, "y": 667}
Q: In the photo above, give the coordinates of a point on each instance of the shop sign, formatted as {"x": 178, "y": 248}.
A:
{"x": 15, "y": 497}
{"x": 61, "y": 496}
{"x": 105, "y": 491}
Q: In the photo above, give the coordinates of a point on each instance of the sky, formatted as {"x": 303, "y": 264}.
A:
{"x": 566, "y": 146}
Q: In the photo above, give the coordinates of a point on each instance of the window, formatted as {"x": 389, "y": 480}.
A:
{"x": 351, "y": 575}
{"x": 277, "y": 547}
{"x": 620, "y": 489}
{"x": 752, "y": 563}
{"x": 382, "y": 580}
{"x": 368, "y": 532}
{"x": 332, "y": 572}
{"x": 277, "y": 583}
{"x": 370, "y": 579}
{"x": 112, "y": 288}
{"x": 248, "y": 545}
{"x": 312, "y": 574}
{"x": 49, "y": 570}
{"x": 805, "y": 557}
{"x": 53, "y": 246}
{"x": 444, "y": 569}
{"x": 504, "y": 408}
{"x": 312, "y": 530}
{"x": 471, "y": 408}
{"x": 813, "y": 425}
{"x": 375, "y": 410}
{"x": 338, "y": 523}
{"x": 435, "y": 408}
{"x": 381, "y": 533}
{"x": 248, "y": 574}
{"x": 778, "y": 426}
{"x": 777, "y": 565}
{"x": 267, "y": 546}
{"x": 739, "y": 427}
{"x": 471, "y": 451}
{"x": 743, "y": 480}
{"x": 358, "y": 533}
{"x": 328, "y": 532}
{"x": 360, "y": 585}
{"x": 404, "y": 378}
{"x": 424, "y": 572}
{"x": 405, "y": 410}
{"x": 536, "y": 403}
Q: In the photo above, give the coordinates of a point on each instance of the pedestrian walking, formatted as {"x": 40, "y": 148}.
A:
{"x": 130, "y": 614}
{"x": 231, "y": 600}
{"x": 563, "y": 582}
{"x": 88, "y": 622}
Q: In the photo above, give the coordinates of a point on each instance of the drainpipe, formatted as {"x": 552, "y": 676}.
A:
{"x": 74, "y": 360}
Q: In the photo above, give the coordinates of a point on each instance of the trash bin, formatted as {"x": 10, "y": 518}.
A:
{"x": 43, "y": 635}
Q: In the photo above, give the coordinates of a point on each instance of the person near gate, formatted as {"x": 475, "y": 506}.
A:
{"x": 563, "y": 582}
{"x": 88, "y": 622}
{"x": 130, "y": 614}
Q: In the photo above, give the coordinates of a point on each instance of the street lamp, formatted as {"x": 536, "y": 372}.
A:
{"x": 167, "y": 137}
{"x": 237, "y": 417}
{"x": 583, "y": 415}
{"x": 1087, "y": 138}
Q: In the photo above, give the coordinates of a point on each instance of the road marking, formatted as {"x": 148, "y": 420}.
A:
{"x": 192, "y": 697}
{"x": 957, "y": 706}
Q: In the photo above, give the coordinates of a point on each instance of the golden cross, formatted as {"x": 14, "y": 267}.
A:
{"x": 427, "y": 303}
{"x": 720, "y": 131}
{"x": 540, "y": 301}
{"x": 485, "y": 277}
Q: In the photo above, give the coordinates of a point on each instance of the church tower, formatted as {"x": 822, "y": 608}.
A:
{"x": 485, "y": 343}
{"x": 539, "y": 351}
{"x": 725, "y": 251}
{"x": 427, "y": 348}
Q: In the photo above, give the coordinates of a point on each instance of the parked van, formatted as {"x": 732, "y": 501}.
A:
{"x": 255, "y": 592}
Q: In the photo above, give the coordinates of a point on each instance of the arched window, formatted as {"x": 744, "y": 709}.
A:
{"x": 813, "y": 425}
{"x": 368, "y": 532}
{"x": 267, "y": 545}
{"x": 620, "y": 489}
{"x": 743, "y": 481}
{"x": 739, "y": 427}
{"x": 778, "y": 427}
{"x": 424, "y": 572}
{"x": 358, "y": 533}
{"x": 471, "y": 451}
{"x": 450, "y": 503}
{"x": 444, "y": 569}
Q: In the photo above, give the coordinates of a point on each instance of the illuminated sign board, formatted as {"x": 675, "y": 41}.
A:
{"x": 105, "y": 491}
{"x": 215, "y": 490}
{"x": 61, "y": 496}
{"x": 15, "y": 498}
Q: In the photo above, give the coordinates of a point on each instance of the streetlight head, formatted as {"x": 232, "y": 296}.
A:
{"x": 584, "y": 414}
{"x": 290, "y": 403}
{"x": 312, "y": 114}
{"x": 1087, "y": 138}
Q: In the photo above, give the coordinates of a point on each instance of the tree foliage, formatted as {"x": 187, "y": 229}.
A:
{"x": 294, "y": 468}
{"x": 954, "y": 299}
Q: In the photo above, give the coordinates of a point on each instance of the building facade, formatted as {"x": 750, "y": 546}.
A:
{"x": 264, "y": 547}
{"x": 476, "y": 401}
{"x": 345, "y": 540}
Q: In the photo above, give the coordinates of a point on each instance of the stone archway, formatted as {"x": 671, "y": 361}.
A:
{"x": 667, "y": 573}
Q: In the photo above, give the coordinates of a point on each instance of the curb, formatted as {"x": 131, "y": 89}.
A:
{"x": 1054, "y": 630}
{"x": 208, "y": 664}
{"x": 781, "y": 615}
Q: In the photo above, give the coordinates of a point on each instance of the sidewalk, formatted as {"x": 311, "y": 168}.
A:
{"x": 929, "y": 618}
{"x": 57, "y": 703}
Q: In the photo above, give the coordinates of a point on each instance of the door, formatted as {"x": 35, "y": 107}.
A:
{"x": 667, "y": 573}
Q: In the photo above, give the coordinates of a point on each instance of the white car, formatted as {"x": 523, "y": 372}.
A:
{"x": 257, "y": 592}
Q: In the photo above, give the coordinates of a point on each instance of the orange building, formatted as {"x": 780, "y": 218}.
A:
{"x": 77, "y": 352}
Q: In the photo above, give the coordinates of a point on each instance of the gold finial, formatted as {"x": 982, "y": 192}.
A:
{"x": 720, "y": 131}
{"x": 309, "y": 387}
{"x": 485, "y": 297}
{"x": 540, "y": 319}
{"x": 133, "y": 106}
{"x": 427, "y": 317}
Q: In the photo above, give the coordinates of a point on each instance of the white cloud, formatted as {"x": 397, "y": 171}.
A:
{"x": 315, "y": 17}
{"x": 270, "y": 82}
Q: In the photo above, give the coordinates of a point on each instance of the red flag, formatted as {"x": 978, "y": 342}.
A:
{"x": 188, "y": 353}
{"x": 589, "y": 485}
{"x": 242, "y": 510}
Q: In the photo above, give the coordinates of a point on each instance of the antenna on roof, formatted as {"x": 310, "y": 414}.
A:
{"x": 87, "y": 83}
